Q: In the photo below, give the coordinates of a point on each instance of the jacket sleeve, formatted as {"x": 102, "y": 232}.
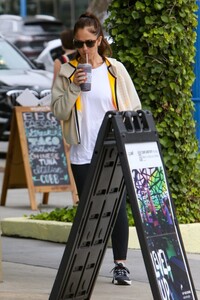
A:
{"x": 64, "y": 96}
{"x": 128, "y": 97}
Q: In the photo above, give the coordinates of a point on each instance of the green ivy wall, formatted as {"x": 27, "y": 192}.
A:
{"x": 155, "y": 41}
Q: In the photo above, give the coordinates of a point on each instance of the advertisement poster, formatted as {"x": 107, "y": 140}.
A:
{"x": 157, "y": 218}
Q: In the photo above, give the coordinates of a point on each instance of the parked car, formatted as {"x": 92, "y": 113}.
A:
{"x": 17, "y": 73}
{"x": 52, "y": 51}
{"x": 30, "y": 34}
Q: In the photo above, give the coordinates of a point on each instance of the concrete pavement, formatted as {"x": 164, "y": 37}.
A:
{"x": 30, "y": 266}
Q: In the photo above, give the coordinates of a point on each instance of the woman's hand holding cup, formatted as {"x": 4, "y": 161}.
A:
{"x": 83, "y": 76}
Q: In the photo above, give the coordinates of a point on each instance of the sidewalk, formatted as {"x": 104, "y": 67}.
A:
{"x": 30, "y": 266}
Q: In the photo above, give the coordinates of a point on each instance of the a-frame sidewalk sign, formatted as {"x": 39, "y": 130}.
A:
{"x": 127, "y": 155}
{"x": 37, "y": 157}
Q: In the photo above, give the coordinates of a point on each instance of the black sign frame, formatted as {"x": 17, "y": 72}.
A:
{"x": 110, "y": 173}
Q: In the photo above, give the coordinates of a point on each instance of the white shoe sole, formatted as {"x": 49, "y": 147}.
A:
{"x": 124, "y": 282}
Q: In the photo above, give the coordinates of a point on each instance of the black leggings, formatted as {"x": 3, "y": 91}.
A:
{"x": 120, "y": 231}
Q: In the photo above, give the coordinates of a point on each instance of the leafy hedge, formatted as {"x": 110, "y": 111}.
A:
{"x": 67, "y": 214}
{"x": 155, "y": 41}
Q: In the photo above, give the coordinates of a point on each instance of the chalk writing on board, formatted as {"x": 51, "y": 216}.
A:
{"x": 46, "y": 148}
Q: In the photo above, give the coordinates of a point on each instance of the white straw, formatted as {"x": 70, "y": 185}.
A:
{"x": 86, "y": 58}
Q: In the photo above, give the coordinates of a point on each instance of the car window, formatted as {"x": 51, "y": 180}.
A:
{"x": 56, "y": 52}
{"x": 43, "y": 28}
{"x": 6, "y": 26}
{"x": 33, "y": 29}
{"x": 9, "y": 26}
{"x": 11, "y": 59}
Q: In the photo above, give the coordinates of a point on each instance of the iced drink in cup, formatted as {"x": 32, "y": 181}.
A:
{"x": 87, "y": 68}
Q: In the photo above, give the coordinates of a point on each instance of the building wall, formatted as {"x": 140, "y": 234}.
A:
{"x": 65, "y": 10}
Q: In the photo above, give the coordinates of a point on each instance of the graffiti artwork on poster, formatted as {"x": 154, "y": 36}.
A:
{"x": 154, "y": 204}
{"x": 157, "y": 217}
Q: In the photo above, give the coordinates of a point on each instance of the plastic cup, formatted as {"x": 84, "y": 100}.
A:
{"x": 87, "y": 68}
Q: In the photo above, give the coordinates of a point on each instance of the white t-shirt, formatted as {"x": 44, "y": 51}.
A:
{"x": 95, "y": 104}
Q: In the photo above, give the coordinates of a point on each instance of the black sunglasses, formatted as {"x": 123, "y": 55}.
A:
{"x": 80, "y": 44}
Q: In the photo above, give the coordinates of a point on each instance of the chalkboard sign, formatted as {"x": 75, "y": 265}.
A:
{"x": 38, "y": 157}
{"x": 46, "y": 149}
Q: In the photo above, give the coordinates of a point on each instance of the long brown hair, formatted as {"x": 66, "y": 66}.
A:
{"x": 90, "y": 20}
{"x": 66, "y": 37}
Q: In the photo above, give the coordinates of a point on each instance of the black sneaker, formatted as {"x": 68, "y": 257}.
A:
{"x": 120, "y": 275}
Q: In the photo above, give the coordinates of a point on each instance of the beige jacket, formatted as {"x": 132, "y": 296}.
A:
{"x": 66, "y": 101}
